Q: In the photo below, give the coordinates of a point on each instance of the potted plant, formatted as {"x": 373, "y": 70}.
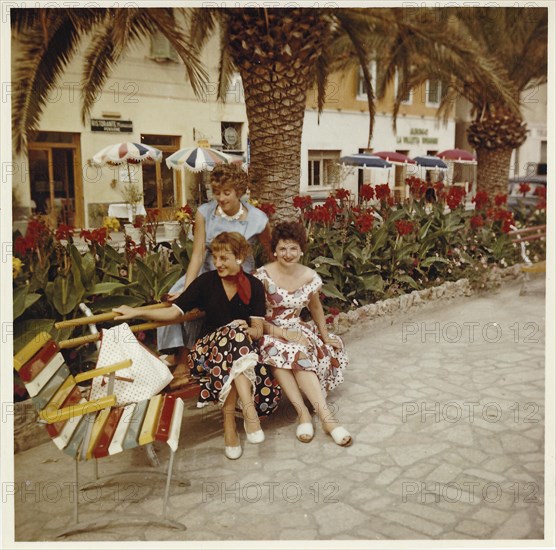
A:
{"x": 133, "y": 196}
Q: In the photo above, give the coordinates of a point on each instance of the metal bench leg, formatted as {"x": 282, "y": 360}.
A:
{"x": 524, "y": 286}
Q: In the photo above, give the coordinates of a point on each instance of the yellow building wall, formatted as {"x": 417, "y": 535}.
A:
{"x": 341, "y": 94}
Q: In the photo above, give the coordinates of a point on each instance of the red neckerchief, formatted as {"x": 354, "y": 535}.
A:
{"x": 243, "y": 285}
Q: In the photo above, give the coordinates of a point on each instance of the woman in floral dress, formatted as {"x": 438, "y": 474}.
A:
{"x": 304, "y": 358}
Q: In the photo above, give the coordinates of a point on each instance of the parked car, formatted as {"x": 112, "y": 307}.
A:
{"x": 516, "y": 199}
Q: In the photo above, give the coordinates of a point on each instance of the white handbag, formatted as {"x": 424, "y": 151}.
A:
{"x": 146, "y": 376}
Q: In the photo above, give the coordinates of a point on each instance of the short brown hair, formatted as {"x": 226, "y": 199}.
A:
{"x": 289, "y": 231}
{"x": 229, "y": 175}
{"x": 235, "y": 242}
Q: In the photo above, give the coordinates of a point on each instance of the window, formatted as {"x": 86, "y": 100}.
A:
{"x": 323, "y": 169}
{"x": 408, "y": 97}
{"x": 231, "y": 137}
{"x": 361, "y": 93}
{"x": 161, "y": 49}
{"x": 433, "y": 93}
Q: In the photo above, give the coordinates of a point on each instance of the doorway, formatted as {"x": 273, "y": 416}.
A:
{"x": 55, "y": 177}
{"x": 158, "y": 180}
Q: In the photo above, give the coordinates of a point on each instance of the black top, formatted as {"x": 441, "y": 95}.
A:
{"x": 207, "y": 293}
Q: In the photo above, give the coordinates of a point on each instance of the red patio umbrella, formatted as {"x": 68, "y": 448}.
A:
{"x": 457, "y": 155}
{"x": 394, "y": 157}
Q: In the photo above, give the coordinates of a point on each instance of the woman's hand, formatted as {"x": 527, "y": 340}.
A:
{"x": 333, "y": 341}
{"x": 174, "y": 296}
{"x": 241, "y": 323}
{"x": 125, "y": 312}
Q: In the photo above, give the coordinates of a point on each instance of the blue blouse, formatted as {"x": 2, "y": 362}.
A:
{"x": 252, "y": 226}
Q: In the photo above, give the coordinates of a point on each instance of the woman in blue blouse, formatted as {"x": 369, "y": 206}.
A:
{"x": 225, "y": 212}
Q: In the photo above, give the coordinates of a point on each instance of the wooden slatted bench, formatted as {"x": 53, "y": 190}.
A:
{"x": 521, "y": 237}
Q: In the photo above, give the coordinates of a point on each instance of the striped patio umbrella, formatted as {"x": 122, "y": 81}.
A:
{"x": 199, "y": 159}
{"x": 394, "y": 157}
{"x": 126, "y": 152}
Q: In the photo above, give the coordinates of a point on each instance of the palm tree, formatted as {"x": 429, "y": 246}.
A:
{"x": 280, "y": 54}
{"x": 514, "y": 41}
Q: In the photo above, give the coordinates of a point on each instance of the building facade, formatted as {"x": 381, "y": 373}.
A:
{"x": 147, "y": 100}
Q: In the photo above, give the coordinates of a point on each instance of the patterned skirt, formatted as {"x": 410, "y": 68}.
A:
{"x": 327, "y": 362}
{"x": 219, "y": 357}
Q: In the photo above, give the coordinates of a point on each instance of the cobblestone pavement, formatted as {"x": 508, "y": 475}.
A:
{"x": 446, "y": 405}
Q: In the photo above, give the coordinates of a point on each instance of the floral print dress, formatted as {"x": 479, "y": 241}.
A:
{"x": 283, "y": 309}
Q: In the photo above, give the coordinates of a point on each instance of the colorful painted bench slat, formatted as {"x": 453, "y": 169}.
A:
{"x": 93, "y": 429}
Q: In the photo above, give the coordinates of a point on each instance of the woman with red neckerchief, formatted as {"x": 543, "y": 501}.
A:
{"x": 224, "y": 357}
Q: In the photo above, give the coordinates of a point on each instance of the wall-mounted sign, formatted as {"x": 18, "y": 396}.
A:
{"x": 110, "y": 125}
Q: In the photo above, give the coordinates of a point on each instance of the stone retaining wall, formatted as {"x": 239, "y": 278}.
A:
{"x": 28, "y": 433}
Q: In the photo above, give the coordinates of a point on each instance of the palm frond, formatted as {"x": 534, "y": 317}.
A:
{"x": 39, "y": 67}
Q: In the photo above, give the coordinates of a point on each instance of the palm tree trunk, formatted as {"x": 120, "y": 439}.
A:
{"x": 275, "y": 110}
{"x": 275, "y": 52}
{"x": 493, "y": 170}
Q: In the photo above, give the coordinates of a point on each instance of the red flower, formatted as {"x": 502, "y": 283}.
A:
{"x": 35, "y": 237}
{"x": 502, "y": 215}
{"x": 454, "y": 197}
{"x": 477, "y": 221}
{"x": 524, "y": 188}
{"x": 438, "y": 187}
{"x": 404, "y": 227}
{"x": 366, "y": 192}
{"x": 139, "y": 220}
{"x": 268, "y": 208}
{"x": 481, "y": 200}
{"x": 332, "y": 205}
{"x": 320, "y": 215}
{"x": 417, "y": 187}
{"x": 364, "y": 222}
{"x": 22, "y": 245}
{"x": 382, "y": 191}
{"x": 500, "y": 199}
{"x": 141, "y": 250}
{"x": 96, "y": 236}
{"x": 64, "y": 232}
{"x": 341, "y": 194}
{"x": 303, "y": 202}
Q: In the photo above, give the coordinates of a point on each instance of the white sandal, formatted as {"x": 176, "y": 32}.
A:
{"x": 233, "y": 453}
{"x": 254, "y": 437}
{"x": 339, "y": 434}
{"x": 305, "y": 432}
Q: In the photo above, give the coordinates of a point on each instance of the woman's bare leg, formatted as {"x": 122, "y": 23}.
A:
{"x": 231, "y": 438}
{"x": 288, "y": 383}
{"x": 309, "y": 384}
{"x": 245, "y": 391}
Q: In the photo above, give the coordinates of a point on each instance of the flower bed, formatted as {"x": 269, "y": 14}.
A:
{"x": 366, "y": 254}
{"x": 380, "y": 249}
